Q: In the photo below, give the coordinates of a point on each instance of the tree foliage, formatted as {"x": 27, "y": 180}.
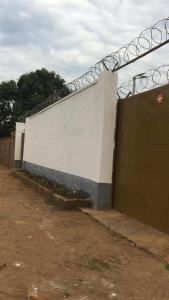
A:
{"x": 8, "y": 97}
{"x": 17, "y": 98}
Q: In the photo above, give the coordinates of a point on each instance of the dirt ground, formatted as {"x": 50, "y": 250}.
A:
{"x": 56, "y": 254}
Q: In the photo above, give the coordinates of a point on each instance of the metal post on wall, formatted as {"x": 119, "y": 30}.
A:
{"x": 138, "y": 76}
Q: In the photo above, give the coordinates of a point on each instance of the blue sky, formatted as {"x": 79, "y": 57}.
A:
{"x": 68, "y": 36}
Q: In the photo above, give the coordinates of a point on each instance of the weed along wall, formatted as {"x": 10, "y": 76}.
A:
{"x": 72, "y": 141}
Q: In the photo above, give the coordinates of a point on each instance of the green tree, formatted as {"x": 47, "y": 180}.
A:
{"x": 32, "y": 90}
{"x": 35, "y": 87}
{"x": 8, "y": 95}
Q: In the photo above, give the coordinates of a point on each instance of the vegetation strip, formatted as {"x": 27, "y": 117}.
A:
{"x": 52, "y": 196}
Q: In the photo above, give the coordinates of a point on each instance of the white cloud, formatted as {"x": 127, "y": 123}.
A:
{"x": 69, "y": 36}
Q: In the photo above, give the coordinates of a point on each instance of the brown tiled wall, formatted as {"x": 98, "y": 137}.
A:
{"x": 141, "y": 187}
{"x": 7, "y": 149}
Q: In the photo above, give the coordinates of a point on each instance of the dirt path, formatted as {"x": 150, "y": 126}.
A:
{"x": 66, "y": 254}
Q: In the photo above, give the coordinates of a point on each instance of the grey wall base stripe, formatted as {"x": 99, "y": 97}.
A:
{"x": 100, "y": 193}
{"x": 18, "y": 164}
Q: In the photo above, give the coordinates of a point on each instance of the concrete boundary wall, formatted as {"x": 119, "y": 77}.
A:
{"x": 7, "y": 150}
{"x": 72, "y": 141}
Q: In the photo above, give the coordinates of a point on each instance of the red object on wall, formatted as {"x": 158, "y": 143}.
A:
{"x": 160, "y": 98}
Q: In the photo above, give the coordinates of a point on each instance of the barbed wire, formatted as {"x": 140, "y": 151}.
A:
{"x": 149, "y": 40}
{"x": 139, "y": 83}
{"x": 144, "y": 81}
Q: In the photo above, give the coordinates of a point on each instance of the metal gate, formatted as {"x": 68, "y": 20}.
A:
{"x": 7, "y": 150}
{"x": 141, "y": 179}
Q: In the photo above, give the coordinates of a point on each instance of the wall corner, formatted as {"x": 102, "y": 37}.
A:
{"x": 108, "y": 86}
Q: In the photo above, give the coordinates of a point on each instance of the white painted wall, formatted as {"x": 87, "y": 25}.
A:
{"x": 20, "y": 128}
{"x": 76, "y": 134}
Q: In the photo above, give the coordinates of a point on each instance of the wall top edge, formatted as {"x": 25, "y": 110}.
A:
{"x": 64, "y": 99}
